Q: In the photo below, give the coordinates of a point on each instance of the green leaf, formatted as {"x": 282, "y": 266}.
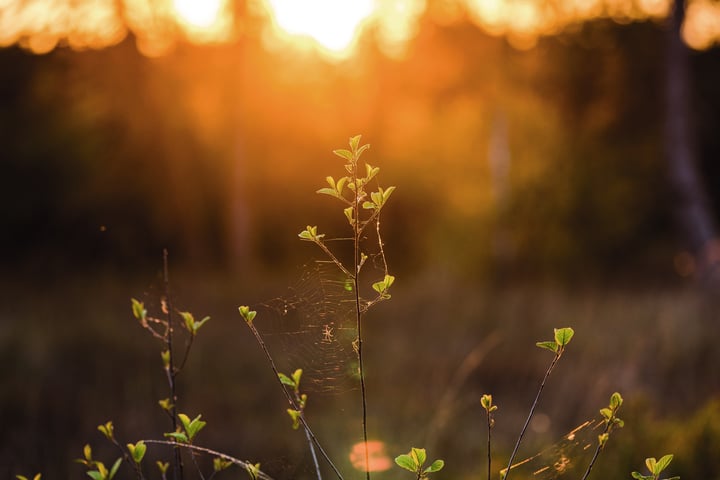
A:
{"x": 199, "y": 324}
{"x": 162, "y": 466}
{"x": 188, "y": 321}
{"x": 327, "y": 191}
{"x": 252, "y": 470}
{"x": 220, "y": 464}
{"x": 419, "y": 455}
{"x": 436, "y": 466}
{"x": 177, "y": 436}
{"x": 387, "y": 193}
{"x": 606, "y": 413}
{"x": 615, "y": 400}
{"x": 663, "y": 463}
{"x": 370, "y": 172}
{"x": 87, "y": 452}
{"x": 640, "y": 476}
{"x": 563, "y": 335}
{"x": 137, "y": 451}
{"x": 349, "y": 212}
{"x": 285, "y": 380}
{"x": 602, "y": 439}
{"x": 342, "y": 153}
{"x": 165, "y": 356}
{"x": 369, "y": 205}
{"x": 95, "y": 475}
{"x": 297, "y": 374}
{"x": 165, "y": 404}
{"x": 107, "y": 430}
{"x": 194, "y": 427}
{"x": 407, "y": 462}
{"x": 295, "y": 416}
{"x": 114, "y": 468}
{"x": 362, "y": 149}
{"x": 650, "y": 463}
{"x": 354, "y": 142}
{"x": 247, "y": 314}
{"x": 552, "y": 346}
{"x": 139, "y": 311}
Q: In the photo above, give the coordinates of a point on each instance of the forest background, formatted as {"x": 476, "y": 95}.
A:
{"x": 553, "y": 167}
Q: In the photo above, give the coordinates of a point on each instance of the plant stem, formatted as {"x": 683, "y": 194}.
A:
{"x": 358, "y": 310}
{"x": 224, "y": 456}
{"x": 598, "y": 448}
{"x": 532, "y": 411}
{"x": 292, "y": 402}
{"x": 489, "y": 456}
{"x": 177, "y": 470}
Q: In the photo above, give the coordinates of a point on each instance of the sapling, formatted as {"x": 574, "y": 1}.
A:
{"x": 656, "y": 467}
{"x": 486, "y": 402}
{"x": 414, "y": 461}
{"x": 557, "y": 346}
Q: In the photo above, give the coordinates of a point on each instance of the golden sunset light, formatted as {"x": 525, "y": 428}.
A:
{"x": 330, "y": 25}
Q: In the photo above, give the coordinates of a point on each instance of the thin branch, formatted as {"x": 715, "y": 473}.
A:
{"x": 235, "y": 461}
{"x": 292, "y": 402}
{"x": 177, "y": 470}
{"x": 532, "y": 411}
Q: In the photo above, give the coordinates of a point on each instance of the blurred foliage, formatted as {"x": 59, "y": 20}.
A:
{"x": 510, "y": 163}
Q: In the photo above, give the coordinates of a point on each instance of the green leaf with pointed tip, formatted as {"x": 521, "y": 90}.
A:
{"x": 354, "y": 142}
{"x": 220, "y": 464}
{"x": 138, "y": 309}
{"x": 177, "y": 436}
{"x": 435, "y": 466}
{"x": 419, "y": 455}
{"x": 387, "y": 193}
{"x": 328, "y": 191}
{"x": 194, "y": 427}
{"x": 640, "y": 476}
{"x": 663, "y": 463}
{"x": 95, "y": 475}
{"x": 252, "y": 470}
{"x": 552, "y": 346}
{"x": 297, "y": 374}
{"x": 107, "y": 429}
{"x": 247, "y": 314}
{"x": 137, "y": 451}
{"x": 563, "y": 335}
{"x": 369, "y": 205}
{"x": 199, "y": 324}
{"x": 188, "y": 321}
{"x": 305, "y": 235}
{"x": 673, "y": 478}
{"x": 114, "y": 468}
{"x": 295, "y": 416}
{"x": 349, "y": 214}
{"x": 342, "y": 153}
{"x": 362, "y": 149}
{"x": 407, "y": 462}
{"x": 285, "y": 380}
{"x": 87, "y": 452}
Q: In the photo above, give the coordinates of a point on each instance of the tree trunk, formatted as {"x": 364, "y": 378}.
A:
{"x": 692, "y": 211}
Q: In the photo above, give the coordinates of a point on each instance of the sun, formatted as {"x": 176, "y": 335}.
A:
{"x": 331, "y": 25}
{"x": 198, "y": 13}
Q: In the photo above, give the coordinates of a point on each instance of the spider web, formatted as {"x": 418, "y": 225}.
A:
{"x": 571, "y": 455}
{"x": 313, "y": 328}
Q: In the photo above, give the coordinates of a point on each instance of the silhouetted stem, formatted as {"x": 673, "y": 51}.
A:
{"x": 177, "y": 470}
{"x": 489, "y": 456}
{"x": 532, "y": 410}
{"x": 292, "y": 402}
{"x": 224, "y": 456}
{"x": 358, "y": 313}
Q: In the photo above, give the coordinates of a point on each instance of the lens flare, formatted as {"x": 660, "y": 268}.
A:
{"x": 378, "y": 461}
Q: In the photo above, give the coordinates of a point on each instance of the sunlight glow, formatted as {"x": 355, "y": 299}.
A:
{"x": 199, "y": 13}
{"x": 332, "y": 25}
